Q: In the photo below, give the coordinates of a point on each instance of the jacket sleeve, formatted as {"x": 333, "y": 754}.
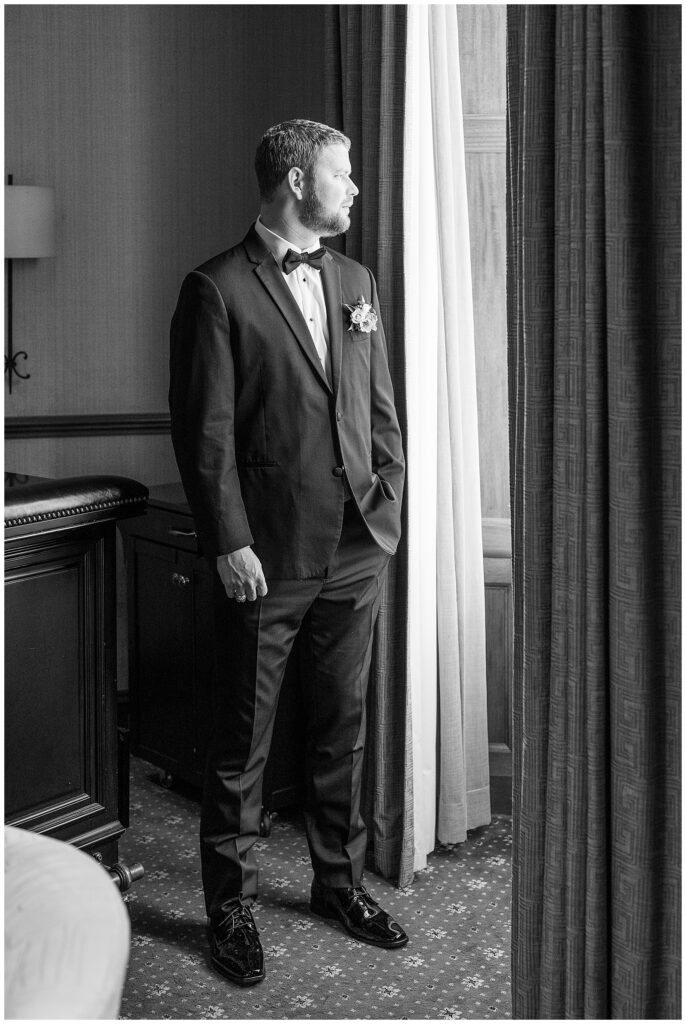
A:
{"x": 201, "y": 402}
{"x": 387, "y": 450}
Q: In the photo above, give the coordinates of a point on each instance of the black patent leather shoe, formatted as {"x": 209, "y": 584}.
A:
{"x": 359, "y": 914}
{"x": 235, "y": 947}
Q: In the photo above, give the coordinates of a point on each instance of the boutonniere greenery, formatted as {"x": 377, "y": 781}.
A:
{"x": 362, "y": 316}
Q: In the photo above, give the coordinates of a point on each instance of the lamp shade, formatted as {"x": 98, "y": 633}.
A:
{"x": 29, "y": 221}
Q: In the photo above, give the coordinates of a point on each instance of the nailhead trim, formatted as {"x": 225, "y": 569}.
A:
{"x": 74, "y": 511}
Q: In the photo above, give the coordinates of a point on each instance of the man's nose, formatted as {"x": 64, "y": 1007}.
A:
{"x": 353, "y": 189}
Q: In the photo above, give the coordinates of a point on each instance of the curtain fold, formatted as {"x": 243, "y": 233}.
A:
{"x": 365, "y": 99}
{"x": 594, "y": 182}
{"x": 447, "y": 644}
{"x": 463, "y": 792}
{"x": 421, "y": 322}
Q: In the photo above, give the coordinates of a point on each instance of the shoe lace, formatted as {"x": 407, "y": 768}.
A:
{"x": 238, "y": 924}
{"x": 361, "y": 897}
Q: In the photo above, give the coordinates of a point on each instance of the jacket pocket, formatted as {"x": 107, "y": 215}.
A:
{"x": 254, "y": 462}
{"x": 386, "y": 488}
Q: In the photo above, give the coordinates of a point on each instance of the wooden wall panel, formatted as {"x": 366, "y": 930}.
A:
{"x": 499, "y": 653}
{"x": 486, "y": 179}
{"x": 481, "y": 31}
{"x": 482, "y": 37}
{"x": 482, "y": 34}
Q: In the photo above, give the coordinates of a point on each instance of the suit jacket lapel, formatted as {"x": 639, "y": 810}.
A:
{"x": 271, "y": 277}
{"x": 331, "y": 282}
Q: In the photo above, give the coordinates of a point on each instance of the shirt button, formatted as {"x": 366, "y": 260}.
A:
{"x": 339, "y": 415}
{"x": 337, "y": 471}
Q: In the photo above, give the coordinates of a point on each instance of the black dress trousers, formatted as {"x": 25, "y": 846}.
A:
{"x": 336, "y": 613}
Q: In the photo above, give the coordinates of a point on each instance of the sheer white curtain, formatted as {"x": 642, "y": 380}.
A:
{"x": 446, "y": 642}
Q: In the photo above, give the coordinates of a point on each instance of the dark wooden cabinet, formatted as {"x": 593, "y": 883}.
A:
{"x": 171, "y": 654}
{"x": 66, "y": 769}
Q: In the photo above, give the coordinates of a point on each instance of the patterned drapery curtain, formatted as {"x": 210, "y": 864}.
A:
{"x": 594, "y": 231}
{"x": 366, "y": 95}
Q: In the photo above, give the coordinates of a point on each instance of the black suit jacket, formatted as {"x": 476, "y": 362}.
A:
{"x": 259, "y": 434}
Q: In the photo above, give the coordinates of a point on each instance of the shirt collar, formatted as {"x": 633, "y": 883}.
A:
{"x": 277, "y": 245}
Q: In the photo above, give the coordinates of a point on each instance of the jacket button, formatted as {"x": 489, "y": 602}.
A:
{"x": 338, "y": 471}
{"x": 339, "y": 415}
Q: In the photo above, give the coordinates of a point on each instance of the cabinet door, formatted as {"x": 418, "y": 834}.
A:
{"x": 164, "y": 701}
{"x": 60, "y": 690}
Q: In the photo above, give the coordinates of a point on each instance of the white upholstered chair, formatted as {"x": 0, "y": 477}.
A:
{"x": 67, "y": 932}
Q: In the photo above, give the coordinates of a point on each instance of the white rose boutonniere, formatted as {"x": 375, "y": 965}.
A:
{"x": 362, "y": 316}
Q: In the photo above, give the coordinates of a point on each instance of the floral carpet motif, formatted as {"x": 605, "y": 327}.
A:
{"x": 456, "y": 912}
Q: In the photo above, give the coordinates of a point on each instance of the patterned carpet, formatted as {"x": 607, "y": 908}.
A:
{"x": 456, "y": 965}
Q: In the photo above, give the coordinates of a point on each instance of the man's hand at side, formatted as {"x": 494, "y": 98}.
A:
{"x": 242, "y": 576}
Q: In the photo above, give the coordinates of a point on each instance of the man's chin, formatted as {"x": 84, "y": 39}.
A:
{"x": 333, "y": 228}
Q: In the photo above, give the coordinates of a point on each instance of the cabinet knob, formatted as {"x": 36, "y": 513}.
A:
{"x": 174, "y": 532}
{"x": 179, "y": 580}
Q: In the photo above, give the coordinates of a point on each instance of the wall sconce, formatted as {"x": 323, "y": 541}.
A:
{"x": 29, "y": 234}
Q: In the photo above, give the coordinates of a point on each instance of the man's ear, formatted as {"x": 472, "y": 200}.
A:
{"x": 295, "y": 181}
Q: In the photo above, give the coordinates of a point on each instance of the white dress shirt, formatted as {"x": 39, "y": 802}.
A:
{"x": 305, "y": 285}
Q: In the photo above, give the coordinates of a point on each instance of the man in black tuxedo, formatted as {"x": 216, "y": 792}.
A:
{"x": 290, "y": 454}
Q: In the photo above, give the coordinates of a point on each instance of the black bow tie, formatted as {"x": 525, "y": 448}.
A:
{"x": 293, "y": 259}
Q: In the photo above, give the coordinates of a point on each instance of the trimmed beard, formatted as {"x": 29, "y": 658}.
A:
{"x": 318, "y": 219}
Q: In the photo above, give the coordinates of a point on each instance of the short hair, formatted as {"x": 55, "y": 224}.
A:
{"x": 295, "y": 143}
